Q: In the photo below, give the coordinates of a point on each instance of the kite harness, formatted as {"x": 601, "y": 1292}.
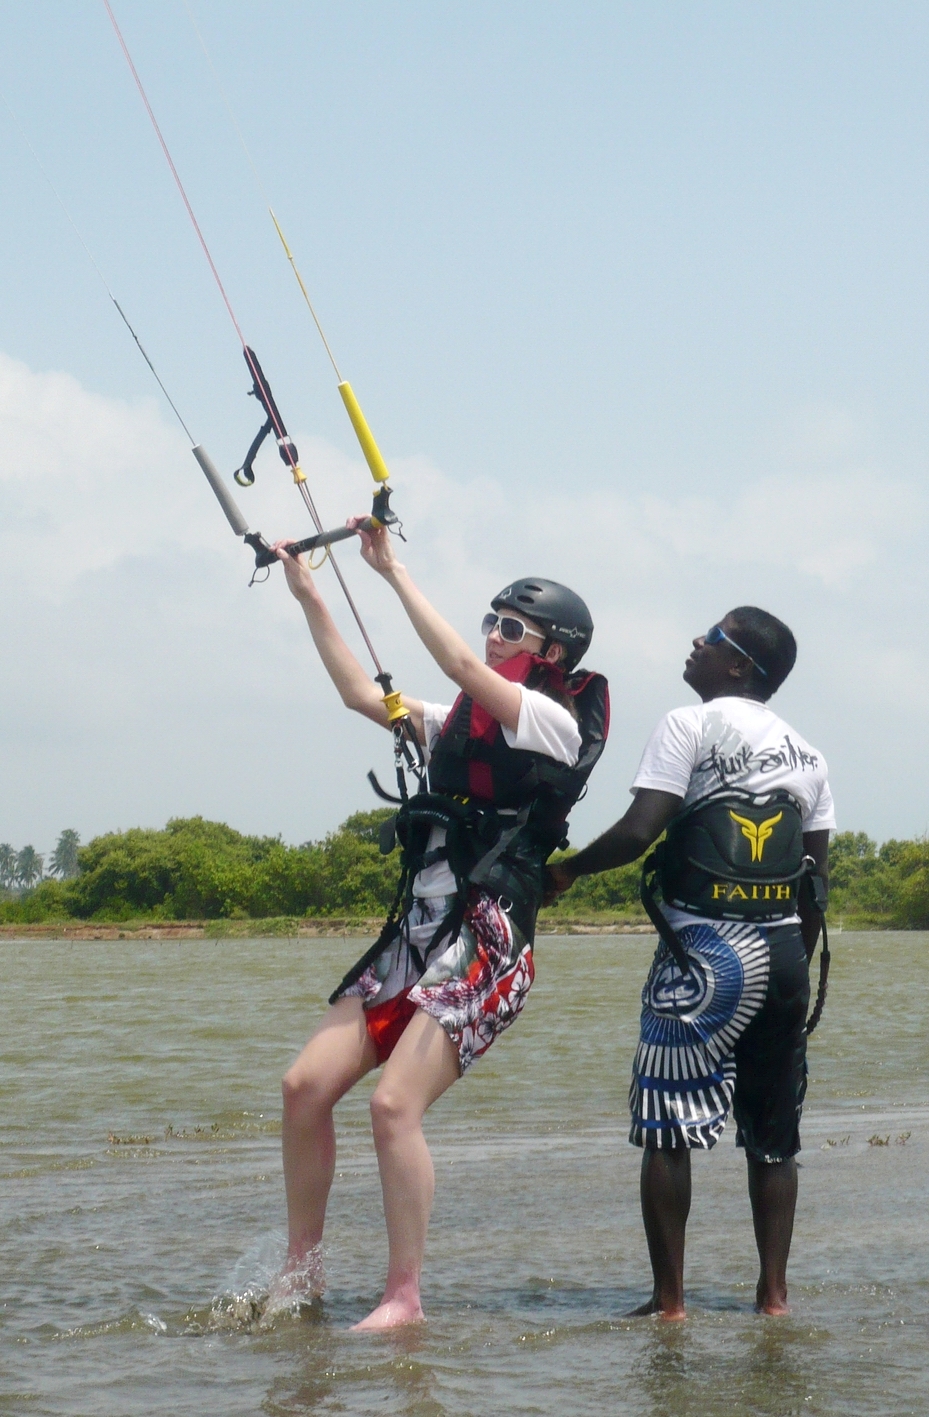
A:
{"x": 494, "y": 813}
{"x": 736, "y": 855}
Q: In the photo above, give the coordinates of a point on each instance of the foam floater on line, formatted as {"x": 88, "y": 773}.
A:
{"x": 372, "y": 452}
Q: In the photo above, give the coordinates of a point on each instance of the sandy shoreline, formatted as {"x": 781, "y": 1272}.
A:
{"x": 259, "y": 929}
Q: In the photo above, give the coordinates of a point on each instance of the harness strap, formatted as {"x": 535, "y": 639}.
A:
{"x": 817, "y": 891}
{"x": 385, "y": 939}
{"x": 647, "y": 893}
{"x": 480, "y": 872}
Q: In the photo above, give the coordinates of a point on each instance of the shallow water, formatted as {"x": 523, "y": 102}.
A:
{"x": 140, "y": 1190}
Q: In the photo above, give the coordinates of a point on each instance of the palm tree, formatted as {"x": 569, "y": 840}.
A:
{"x": 63, "y": 862}
{"x": 7, "y": 865}
{"x": 28, "y": 867}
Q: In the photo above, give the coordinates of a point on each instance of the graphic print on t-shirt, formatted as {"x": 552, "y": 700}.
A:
{"x": 727, "y": 759}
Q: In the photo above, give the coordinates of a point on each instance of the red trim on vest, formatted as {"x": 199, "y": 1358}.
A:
{"x": 483, "y": 726}
{"x": 480, "y": 780}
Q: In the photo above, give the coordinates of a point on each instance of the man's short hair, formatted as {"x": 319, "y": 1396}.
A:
{"x": 769, "y": 642}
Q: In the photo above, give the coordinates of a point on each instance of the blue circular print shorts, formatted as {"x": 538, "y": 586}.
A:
{"x": 684, "y": 1074}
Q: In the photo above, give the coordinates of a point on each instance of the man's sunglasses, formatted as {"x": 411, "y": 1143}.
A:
{"x": 513, "y": 631}
{"x": 716, "y": 635}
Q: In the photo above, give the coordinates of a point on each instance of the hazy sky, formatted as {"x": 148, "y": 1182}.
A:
{"x": 634, "y": 296}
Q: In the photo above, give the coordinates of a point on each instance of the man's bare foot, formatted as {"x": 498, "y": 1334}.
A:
{"x": 653, "y": 1307}
{"x": 392, "y": 1313}
{"x": 773, "y": 1304}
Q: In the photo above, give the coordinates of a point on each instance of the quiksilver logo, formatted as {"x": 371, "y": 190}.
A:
{"x": 757, "y": 832}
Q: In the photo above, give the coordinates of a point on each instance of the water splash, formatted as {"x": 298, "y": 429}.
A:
{"x": 260, "y": 1291}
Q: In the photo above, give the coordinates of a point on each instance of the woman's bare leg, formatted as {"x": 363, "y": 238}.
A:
{"x": 422, "y": 1066}
{"x": 339, "y": 1053}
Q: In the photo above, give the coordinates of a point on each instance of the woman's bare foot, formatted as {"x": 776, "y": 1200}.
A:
{"x": 401, "y": 1307}
{"x": 302, "y": 1280}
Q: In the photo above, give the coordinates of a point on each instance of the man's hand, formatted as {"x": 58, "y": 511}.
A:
{"x": 558, "y": 879}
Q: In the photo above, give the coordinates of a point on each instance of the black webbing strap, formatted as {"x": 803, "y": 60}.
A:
{"x": 818, "y": 898}
{"x": 428, "y": 809}
{"x": 385, "y": 939}
{"x": 647, "y": 893}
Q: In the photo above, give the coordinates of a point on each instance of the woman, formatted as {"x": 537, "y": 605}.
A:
{"x": 454, "y": 970}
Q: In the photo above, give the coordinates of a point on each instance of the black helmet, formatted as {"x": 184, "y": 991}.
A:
{"x": 562, "y": 614}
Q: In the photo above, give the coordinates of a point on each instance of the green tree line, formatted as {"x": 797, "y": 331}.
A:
{"x": 199, "y": 870}
{"x": 21, "y": 870}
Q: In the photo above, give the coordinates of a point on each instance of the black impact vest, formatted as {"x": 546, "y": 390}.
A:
{"x": 504, "y": 809}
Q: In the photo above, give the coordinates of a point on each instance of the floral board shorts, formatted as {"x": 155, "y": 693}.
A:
{"x": 474, "y": 985}
{"x": 729, "y": 1034}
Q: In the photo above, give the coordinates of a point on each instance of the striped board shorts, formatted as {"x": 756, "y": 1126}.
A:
{"x": 693, "y": 1047}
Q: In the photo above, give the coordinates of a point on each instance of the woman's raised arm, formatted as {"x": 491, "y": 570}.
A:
{"x": 357, "y": 690}
{"x": 451, "y": 653}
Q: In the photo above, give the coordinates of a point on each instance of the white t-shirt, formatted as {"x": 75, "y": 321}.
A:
{"x": 544, "y": 726}
{"x": 734, "y": 742}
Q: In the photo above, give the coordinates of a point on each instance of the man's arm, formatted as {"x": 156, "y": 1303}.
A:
{"x": 627, "y": 839}
{"x": 815, "y": 844}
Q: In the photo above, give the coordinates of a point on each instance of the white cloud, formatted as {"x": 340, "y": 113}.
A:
{"x": 141, "y": 679}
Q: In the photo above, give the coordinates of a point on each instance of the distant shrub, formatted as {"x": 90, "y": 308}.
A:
{"x": 200, "y": 870}
{"x": 47, "y": 901}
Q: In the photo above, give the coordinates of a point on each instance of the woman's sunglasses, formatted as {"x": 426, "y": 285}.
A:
{"x": 513, "y": 631}
{"x": 715, "y": 635}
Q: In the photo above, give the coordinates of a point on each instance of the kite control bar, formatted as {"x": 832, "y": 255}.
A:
{"x": 381, "y": 515}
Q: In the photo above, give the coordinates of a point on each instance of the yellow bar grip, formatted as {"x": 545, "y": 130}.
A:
{"x": 365, "y": 437}
{"x": 299, "y": 474}
{"x": 395, "y": 707}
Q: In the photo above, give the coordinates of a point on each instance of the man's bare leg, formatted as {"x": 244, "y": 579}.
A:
{"x": 772, "y": 1189}
{"x": 665, "y": 1192}
{"x": 422, "y": 1066}
{"x": 339, "y": 1053}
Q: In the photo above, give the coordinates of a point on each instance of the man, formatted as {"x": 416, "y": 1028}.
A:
{"x": 748, "y": 810}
